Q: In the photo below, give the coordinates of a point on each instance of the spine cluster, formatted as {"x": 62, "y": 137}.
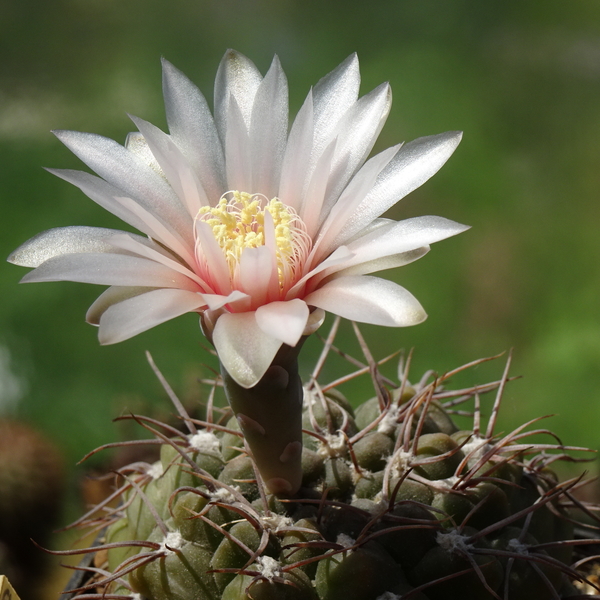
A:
{"x": 396, "y": 502}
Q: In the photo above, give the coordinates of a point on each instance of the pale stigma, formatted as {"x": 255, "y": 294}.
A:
{"x": 238, "y": 223}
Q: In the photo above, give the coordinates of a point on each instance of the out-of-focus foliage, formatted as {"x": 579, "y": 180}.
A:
{"x": 521, "y": 78}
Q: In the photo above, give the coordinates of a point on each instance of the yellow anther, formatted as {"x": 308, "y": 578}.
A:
{"x": 238, "y": 222}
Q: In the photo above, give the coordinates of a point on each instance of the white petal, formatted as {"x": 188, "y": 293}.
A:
{"x": 386, "y": 262}
{"x": 294, "y": 170}
{"x": 372, "y": 226}
{"x": 125, "y": 242}
{"x": 333, "y": 95}
{"x": 244, "y": 349}
{"x": 412, "y": 166}
{"x": 268, "y": 130}
{"x": 239, "y": 78}
{"x": 341, "y": 256}
{"x": 398, "y": 237}
{"x": 405, "y": 235}
{"x": 135, "y": 142}
{"x": 215, "y": 259}
{"x": 217, "y": 301}
{"x": 237, "y": 151}
{"x": 128, "y": 172}
{"x": 271, "y": 244}
{"x": 105, "y": 195}
{"x": 137, "y": 214}
{"x": 351, "y": 197}
{"x": 357, "y": 133}
{"x": 256, "y": 270}
{"x": 312, "y": 205}
{"x": 175, "y": 167}
{"x": 139, "y": 313}
{"x": 368, "y": 300}
{"x": 159, "y": 231}
{"x": 109, "y": 269}
{"x": 192, "y": 127}
{"x": 285, "y": 321}
{"x": 113, "y": 295}
{"x": 67, "y": 240}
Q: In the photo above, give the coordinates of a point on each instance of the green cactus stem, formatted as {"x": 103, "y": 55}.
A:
{"x": 270, "y": 417}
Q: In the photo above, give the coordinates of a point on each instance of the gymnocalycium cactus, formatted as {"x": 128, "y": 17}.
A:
{"x": 396, "y": 502}
{"x": 292, "y": 495}
{"x": 257, "y": 230}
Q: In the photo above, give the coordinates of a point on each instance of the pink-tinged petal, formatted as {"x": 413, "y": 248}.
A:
{"x": 128, "y": 172}
{"x": 351, "y": 197}
{"x": 238, "y": 78}
{"x": 159, "y": 231}
{"x": 341, "y": 256}
{"x": 368, "y": 300}
{"x": 124, "y": 241}
{"x": 268, "y": 130}
{"x": 333, "y": 96}
{"x": 255, "y": 273}
{"x": 398, "y": 237}
{"x": 109, "y": 269}
{"x": 217, "y": 301}
{"x": 214, "y": 257}
{"x": 357, "y": 133}
{"x": 140, "y": 313}
{"x": 113, "y": 295}
{"x": 175, "y": 167}
{"x": 412, "y": 166}
{"x": 284, "y": 321}
{"x": 294, "y": 170}
{"x": 244, "y": 349}
{"x": 271, "y": 244}
{"x": 67, "y": 240}
{"x": 237, "y": 151}
{"x": 192, "y": 127}
{"x": 129, "y": 210}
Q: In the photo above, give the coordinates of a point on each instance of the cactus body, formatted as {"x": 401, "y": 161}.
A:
{"x": 395, "y": 502}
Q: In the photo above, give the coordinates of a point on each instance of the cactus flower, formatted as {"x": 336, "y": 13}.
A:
{"x": 253, "y": 227}
{"x": 257, "y": 229}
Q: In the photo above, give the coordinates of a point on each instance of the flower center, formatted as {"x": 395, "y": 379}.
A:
{"x": 238, "y": 223}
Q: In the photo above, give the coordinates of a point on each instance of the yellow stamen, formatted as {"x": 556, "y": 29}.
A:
{"x": 238, "y": 222}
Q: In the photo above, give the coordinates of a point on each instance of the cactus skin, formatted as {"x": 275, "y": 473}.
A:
{"x": 395, "y": 502}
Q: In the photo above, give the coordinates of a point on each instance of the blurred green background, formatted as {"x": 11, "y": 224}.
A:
{"x": 521, "y": 78}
